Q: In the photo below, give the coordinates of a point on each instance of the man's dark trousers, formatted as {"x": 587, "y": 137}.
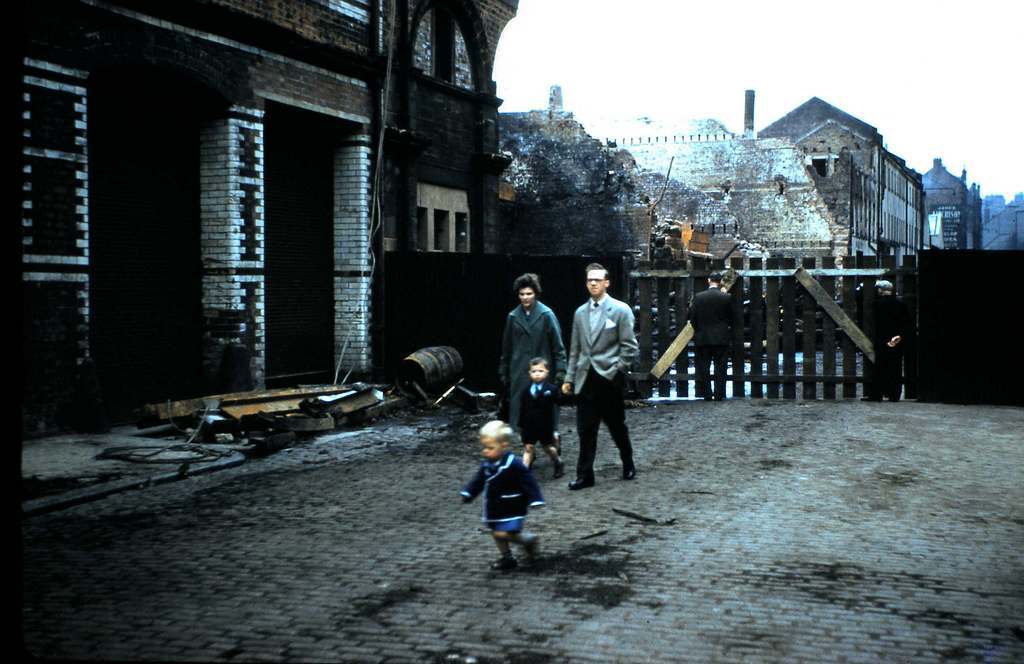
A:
{"x": 705, "y": 355}
{"x": 601, "y": 399}
{"x": 888, "y": 374}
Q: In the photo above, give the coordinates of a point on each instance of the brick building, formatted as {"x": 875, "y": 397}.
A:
{"x": 954, "y": 207}
{"x": 868, "y": 189}
{"x": 199, "y": 176}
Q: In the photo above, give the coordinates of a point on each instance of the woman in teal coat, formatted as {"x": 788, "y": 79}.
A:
{"x": 531, "y": 330}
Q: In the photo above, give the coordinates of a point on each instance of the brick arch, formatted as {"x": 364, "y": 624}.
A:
{"x": 224, "y": 80}
{"x": 471, "y": 24}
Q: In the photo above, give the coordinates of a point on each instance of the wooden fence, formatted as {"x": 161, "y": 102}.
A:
{"x": 784, "y": 343}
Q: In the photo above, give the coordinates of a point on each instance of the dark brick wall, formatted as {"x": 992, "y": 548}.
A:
{"x": 51, "y": 336}
{"x": 301, "y": 53}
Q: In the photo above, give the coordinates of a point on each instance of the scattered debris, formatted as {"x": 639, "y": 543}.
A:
{"x": 592, "y": 535}
{"x": 642, "y": 518}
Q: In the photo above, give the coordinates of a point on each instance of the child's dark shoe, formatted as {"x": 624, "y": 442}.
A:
{"x": 504, "y": 563}
{"x": 559, "y": 469}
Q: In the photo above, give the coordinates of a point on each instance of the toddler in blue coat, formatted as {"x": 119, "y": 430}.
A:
{"x": 509, "y": 491}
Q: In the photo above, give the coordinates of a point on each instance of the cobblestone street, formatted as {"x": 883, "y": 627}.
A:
{"x": 784, "y": 531}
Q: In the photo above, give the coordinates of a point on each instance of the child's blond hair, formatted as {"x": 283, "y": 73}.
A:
{"x": 498, "y": 430}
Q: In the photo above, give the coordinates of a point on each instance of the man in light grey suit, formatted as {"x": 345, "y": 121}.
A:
{"x": 602, "y": 350}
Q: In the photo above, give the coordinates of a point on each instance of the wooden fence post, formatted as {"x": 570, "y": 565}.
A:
{"x": 645, "y": 328}
{"x": 789, "y": 331}
{"x": 810, "y": 334}
{"x": 849, "y": 290}
{"x": 868, "y": 322}
{"x": 771, "y": 303}
{"x": 828, "y": 334}
{"x": 756, "y": 331}
{"x": 682, "y": 313}
{"x": 738, "y": 356}
{"x": 664, "y": 336}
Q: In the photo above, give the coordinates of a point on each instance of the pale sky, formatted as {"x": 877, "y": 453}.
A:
{"x": 936, "y": 78}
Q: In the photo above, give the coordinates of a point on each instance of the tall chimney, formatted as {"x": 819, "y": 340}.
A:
{"x": 748, "y": 116}
{"x": 555, "y": 99}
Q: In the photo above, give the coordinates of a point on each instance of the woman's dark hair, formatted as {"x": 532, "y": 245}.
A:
{"x": 528, "y": 280}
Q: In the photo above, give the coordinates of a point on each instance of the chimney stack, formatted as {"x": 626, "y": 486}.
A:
{"x": 555, "y": 99}
{"x": 748, "y": 116}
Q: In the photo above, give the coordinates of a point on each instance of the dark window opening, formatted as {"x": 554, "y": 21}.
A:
{"x": 444, "y": 45}
{"x": 821, "y": 166}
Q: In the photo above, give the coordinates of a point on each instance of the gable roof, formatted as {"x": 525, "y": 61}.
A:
{"x": 813, "y": 113}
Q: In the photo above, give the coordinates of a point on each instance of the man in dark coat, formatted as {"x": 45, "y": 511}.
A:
{"x": 711, "y": 317}
{"x": 893, "y": 330}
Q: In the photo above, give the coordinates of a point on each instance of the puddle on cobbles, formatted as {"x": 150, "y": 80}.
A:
{"x": 373, "y": 604}
{"x": 772, "y": 464}
{"x": 581, "y": 573}
{"x": 605, "y": 595}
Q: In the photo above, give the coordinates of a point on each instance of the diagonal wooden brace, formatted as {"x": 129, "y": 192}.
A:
{"x": 845, "y": 323}
{"x": 684, "y": 337}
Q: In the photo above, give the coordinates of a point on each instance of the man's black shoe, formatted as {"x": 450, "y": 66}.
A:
{"x": 579, "y": 483}
{"x": 629, "y": 473}
{"x": 559, "y": 469}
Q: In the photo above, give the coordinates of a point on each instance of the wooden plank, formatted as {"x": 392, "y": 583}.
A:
{"x": 771, "y": 303}
{"x": 188, "y": 407}
{"x": 838, "y": 315}
{"x": 738, "y": 333}
{"x": 789, "y": 329}
{"x": 849, "y": 294}
{"x": 828, "y": 333}
{"x": 756, "y": 330}
{"x": 810, "y": 332}
{"x": 664, "y": 329}
{"x": 645, "y": 326}
{"x": 684, "y": 337}
{"x": 682, "y": 363}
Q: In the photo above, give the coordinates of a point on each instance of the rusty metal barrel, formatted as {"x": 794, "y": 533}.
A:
{"x": 434, "y": 368}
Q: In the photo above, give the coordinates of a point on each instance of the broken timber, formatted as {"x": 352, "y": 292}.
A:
{"x": 684, "y": 337}
{"x": 826, "y": 302}
{"x": 237, "y": 404}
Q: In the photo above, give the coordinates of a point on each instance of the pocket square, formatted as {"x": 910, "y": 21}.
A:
{"x": 609, "y": 324}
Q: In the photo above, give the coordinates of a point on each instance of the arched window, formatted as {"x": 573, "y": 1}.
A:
{"x": 440, "y": 49}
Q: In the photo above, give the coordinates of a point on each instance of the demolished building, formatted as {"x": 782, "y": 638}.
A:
{"x": 568, "y": 193}
{"x": 818, "y": 182}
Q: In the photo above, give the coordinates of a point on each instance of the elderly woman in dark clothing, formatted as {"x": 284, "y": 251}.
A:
{"x": 531, "y": 330}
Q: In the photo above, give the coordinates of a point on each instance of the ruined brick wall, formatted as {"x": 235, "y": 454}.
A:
{"x": 763, "y": 182}
{"x": 574, "y": 194}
